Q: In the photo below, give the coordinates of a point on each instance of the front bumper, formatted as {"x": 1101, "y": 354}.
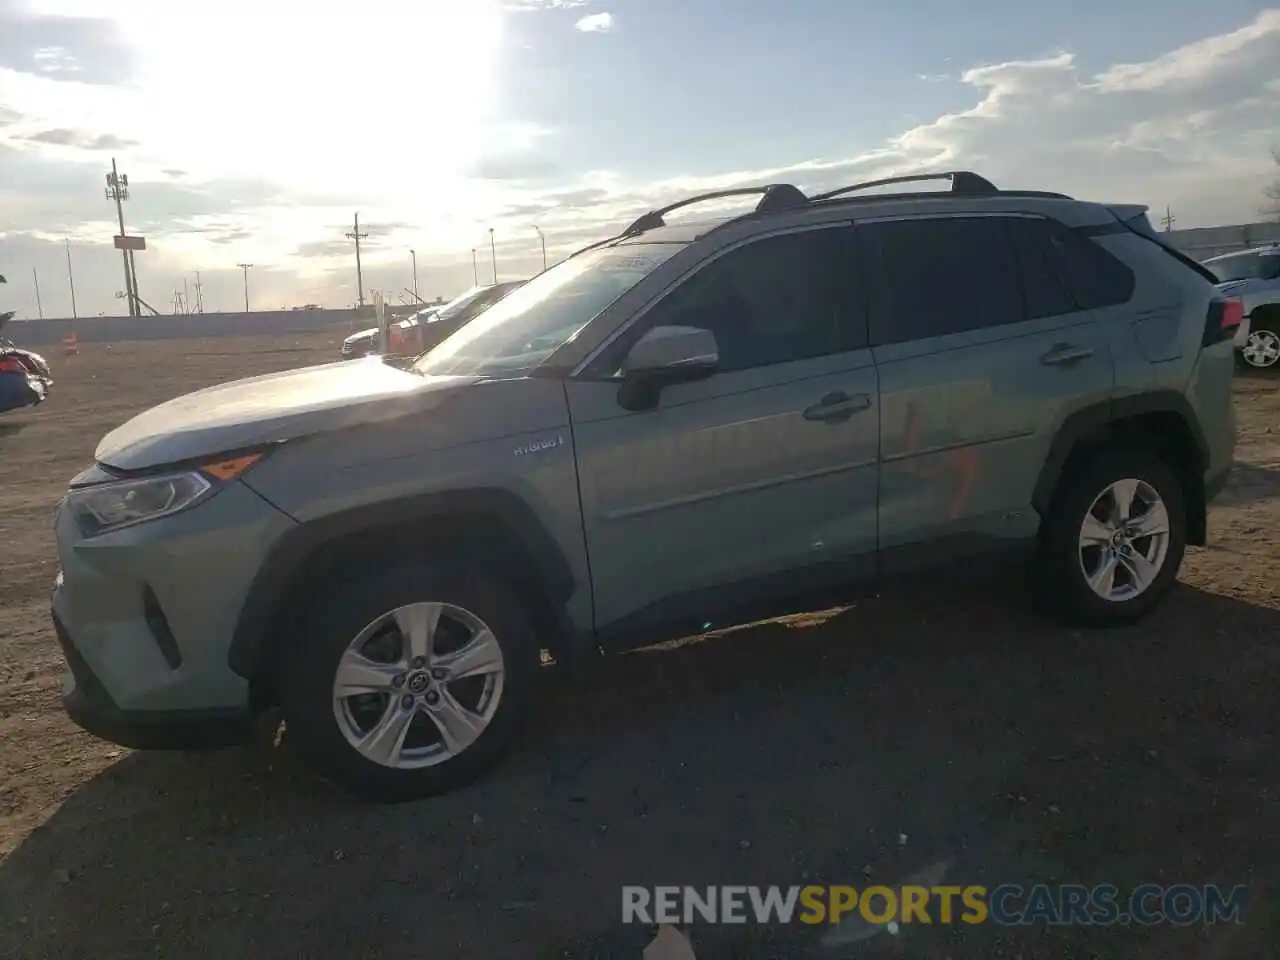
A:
{"x": 89, "y": 705}
{"x": 145, "y": 617}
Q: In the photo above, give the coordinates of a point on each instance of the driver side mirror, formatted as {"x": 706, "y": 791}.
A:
{"x": 662, "y": 358}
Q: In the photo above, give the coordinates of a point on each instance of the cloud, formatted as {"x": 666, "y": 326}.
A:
{"x": 595, "y": 23}
{"x": 1195, "y": 62}
{"x": 90, "y": 48}
{"x": 62, "y": 137}
{"x": 1191, "y": 128}
{"x": 527, "y": 5}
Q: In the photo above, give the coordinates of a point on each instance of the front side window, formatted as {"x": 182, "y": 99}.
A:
{"x": 529, "y": 324}
{"x": 774, "y": 300}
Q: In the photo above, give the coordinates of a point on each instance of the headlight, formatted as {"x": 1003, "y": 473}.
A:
{"x": 113, "y": 506}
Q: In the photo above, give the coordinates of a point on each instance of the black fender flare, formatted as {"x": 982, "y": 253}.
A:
{"x": 1094, "y": 419}
{"x": 288, "y": 559}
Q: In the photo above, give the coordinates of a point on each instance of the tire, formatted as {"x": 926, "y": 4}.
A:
{"x": 1060, "y": 583}
{"x": 1262, "y": 348}
{"x": 323, "y": 727}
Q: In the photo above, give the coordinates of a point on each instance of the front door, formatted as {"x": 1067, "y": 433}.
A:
{"x": 753, "y": 486}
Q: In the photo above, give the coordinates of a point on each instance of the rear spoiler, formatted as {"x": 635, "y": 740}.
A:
{"x": 1132, "y": 218}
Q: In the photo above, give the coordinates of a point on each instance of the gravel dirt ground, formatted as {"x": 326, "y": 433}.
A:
{"x": 951, "y": 726}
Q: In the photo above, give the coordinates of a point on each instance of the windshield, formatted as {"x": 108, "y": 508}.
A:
{"x": 454, "y": 306}
{"x": 1248, "y": 266}
{"x": 530, "y": 323}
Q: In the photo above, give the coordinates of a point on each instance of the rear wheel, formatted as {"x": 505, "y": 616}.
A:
{"x": 410, "y": 681}
{"x": 1261, "y": 350}
{"x": 1113, "y": 541}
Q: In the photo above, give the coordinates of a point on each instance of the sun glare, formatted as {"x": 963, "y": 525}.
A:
{"x": 363, "y": 97}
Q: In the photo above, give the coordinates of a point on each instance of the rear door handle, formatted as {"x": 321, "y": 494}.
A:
{"x": 1065, "y": 353}
{"x": 838, "y": 407}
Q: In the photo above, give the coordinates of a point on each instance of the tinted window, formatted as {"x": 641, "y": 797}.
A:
{"x": 1251, "y": 266}
{"x": 533, "y": 321}
{"x": 942, "y": 276}
{"x": 1096, "y": 278}
{"x": 1046, "y": 290}
{"x": 772, "y": 301}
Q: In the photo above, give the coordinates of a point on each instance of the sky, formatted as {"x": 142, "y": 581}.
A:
{"x": 252, "y": 131}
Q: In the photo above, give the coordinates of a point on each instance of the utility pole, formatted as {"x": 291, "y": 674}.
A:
{"x": 118, "y": 190}
{"x": 475, "y": 271}
{"x": 543, "y": 241}
{"x": 357, "y": 236}
{"x": 1168, "y": 219}
{"x": 414, "y": 255}
{"x": 133, "y": 275}
{"x": 246, "y": 267}
{"x": 199, "y": 294}
{"x": 71, "y": 279}
{"x": 493, "y": 255}
{"x": 36, "y": 280}
{"x": 186, "y": 303}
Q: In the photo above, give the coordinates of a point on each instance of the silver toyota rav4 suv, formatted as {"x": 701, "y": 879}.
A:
{"x": 684, "y": 426}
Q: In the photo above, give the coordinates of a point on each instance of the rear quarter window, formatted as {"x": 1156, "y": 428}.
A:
{"x": 1096, "y": 278}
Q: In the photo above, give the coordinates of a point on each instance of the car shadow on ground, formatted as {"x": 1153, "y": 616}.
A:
{"x": 9, "y": 429}
{"x": 1249, "y": 483}
{"x": 949, "y": 726}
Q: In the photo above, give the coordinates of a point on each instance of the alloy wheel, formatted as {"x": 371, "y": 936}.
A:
{"x": 418, "y": 685}
{"x": 1262, "y": 349}
{"x": 1124, "y": 540}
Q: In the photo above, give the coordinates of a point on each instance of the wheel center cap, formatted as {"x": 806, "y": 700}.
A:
{"x": 1118, "y": 539}
{"x": 418, "y": 682}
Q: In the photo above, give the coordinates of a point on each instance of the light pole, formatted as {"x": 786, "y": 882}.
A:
{"x": 543, "y": 241}
{"x": 475, "y": 271}
{"x": 35, "y": 279}
{"x": 414, "y": 255}
{"x": 71, "y": 279}
{"x": 357, "y": 236}
{"x": 493, "y": 255}
{"x": 246, "y": 267}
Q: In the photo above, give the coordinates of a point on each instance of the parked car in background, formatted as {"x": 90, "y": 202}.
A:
{"x": 426, "y": 328}
{"x": 24, "y": 374}
{"x": 1253, "y": 278}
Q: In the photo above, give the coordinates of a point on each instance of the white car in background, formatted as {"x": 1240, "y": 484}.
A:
{"x": 1253, "y": 277}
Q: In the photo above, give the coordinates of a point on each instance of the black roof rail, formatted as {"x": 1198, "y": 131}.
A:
{"x": 775, "y": 197}
{"x": 598, "y": 243}
{"x": 962, "y": 182}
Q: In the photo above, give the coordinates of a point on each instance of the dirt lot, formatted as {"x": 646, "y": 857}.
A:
{"x": 949, "y": 726}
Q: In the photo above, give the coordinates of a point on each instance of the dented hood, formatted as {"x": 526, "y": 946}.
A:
{"x": 271, "y": 408}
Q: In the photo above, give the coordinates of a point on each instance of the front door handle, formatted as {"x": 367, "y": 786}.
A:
{"x": 838, "y": 407}
{"x": 1065, "y": 353}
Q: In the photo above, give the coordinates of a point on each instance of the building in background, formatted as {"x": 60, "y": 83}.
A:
{"x": 1201, "y": 243}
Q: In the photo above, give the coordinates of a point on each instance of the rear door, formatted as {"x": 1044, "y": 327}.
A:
{"x": 981, "y": 353}
{"x": 756, "y": 484}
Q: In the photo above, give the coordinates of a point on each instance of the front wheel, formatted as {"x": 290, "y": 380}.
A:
{"x": 1113, "y": 540}
{"x": 409, "y": 681}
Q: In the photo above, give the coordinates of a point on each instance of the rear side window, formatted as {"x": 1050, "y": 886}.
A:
{"x": 940, "y": 276}
{"x": 1097, "y": 279}
{"x": 1043, "y": 282}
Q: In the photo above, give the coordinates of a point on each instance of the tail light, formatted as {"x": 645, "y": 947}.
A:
{"x": 12, "y": 364}
{"x": 1224, "y": 318}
